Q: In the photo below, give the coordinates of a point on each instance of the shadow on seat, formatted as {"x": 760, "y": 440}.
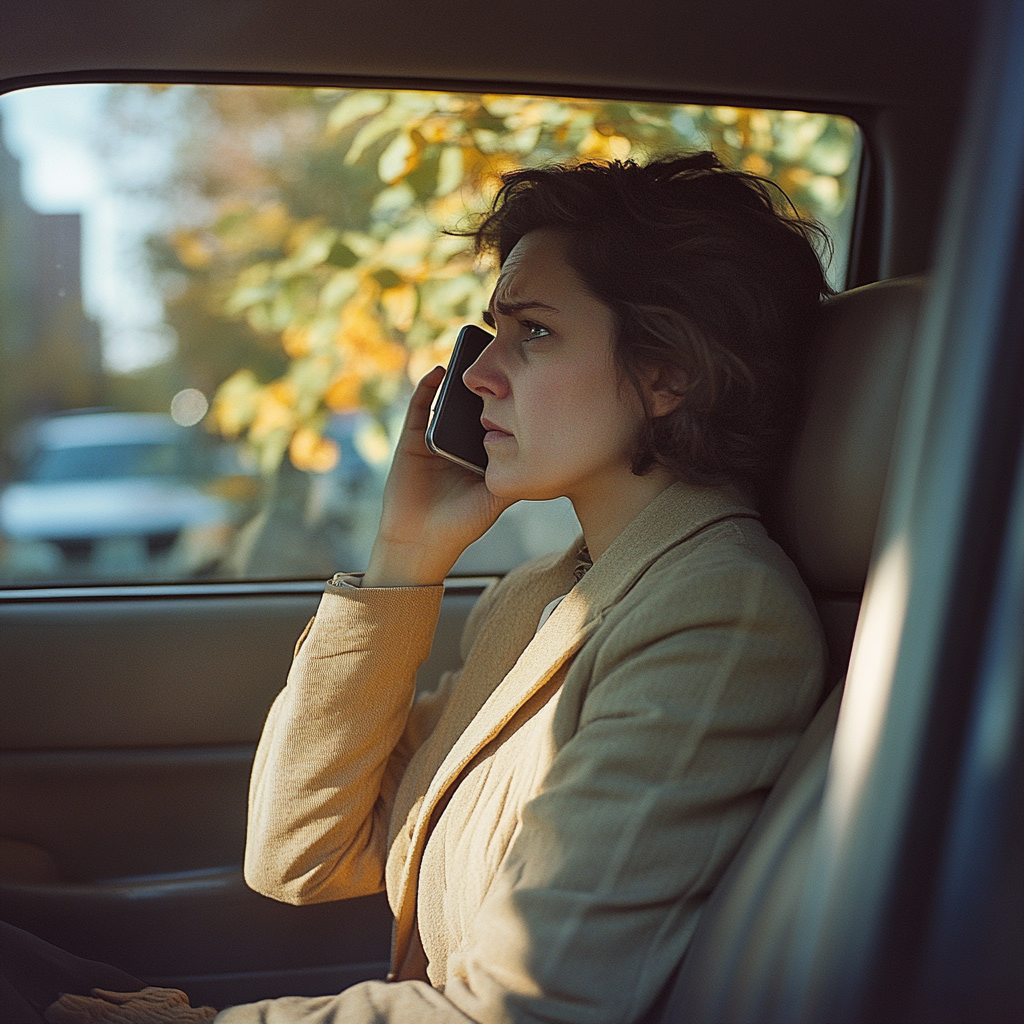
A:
{"x": 825, "y": 516}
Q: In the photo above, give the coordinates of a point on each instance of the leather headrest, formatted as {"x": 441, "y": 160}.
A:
{"x": 828, "y": 509}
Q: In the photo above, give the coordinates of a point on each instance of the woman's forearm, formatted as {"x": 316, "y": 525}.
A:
{"x": 318, "y": 821}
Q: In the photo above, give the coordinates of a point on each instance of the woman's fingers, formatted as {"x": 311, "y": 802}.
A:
{"x": 73, "y": 1009}
{"x": 419, "y": 405}
{"x": 113, "y": 997}
{"x": 151, "y": 1005}
{"x": 151, "y": 993}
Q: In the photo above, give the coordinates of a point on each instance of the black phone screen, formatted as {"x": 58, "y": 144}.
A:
{"x": 454, "y": 430}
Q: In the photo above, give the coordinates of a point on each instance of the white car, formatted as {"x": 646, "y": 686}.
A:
{"x": 109, "y": 494}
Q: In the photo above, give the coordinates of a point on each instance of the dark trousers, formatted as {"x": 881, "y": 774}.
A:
{"x": 34, "y": 974}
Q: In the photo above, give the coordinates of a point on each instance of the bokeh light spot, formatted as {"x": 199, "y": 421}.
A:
{"x": 188, "y": 407}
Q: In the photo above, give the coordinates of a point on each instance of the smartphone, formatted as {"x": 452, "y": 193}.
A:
{"x": 454, "y": 430}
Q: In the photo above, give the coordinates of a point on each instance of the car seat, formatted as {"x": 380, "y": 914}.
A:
{"x": 825, "y": 516}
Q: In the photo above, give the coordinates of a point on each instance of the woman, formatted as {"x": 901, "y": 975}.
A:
{"x": 550, "y": 821}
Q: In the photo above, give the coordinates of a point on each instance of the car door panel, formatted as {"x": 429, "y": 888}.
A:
{"x": 125, "y": 751}
{"x": 202, "y": 928}
{"x": 146, "y": 673}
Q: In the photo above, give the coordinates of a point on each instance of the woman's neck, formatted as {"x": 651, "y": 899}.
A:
{"x": 607, "y": 507}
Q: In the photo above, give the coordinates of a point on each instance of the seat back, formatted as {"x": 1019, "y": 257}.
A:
{"x": 827, "y": 509}
{"x": 825, "y": 515}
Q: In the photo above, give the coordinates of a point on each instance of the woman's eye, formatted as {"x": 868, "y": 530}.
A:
{"x": 535, "y": 330}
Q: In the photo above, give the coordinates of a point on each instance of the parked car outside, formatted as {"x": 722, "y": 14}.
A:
{"x": 108, "y": 495}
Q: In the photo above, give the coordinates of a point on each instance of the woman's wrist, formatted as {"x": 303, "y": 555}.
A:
{"x": 394, "y": 564}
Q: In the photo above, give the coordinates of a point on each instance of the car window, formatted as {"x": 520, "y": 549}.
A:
{"x": 214, "y": 301}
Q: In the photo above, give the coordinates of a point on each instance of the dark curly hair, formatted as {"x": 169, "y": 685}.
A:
{"x": 712, "y": 277}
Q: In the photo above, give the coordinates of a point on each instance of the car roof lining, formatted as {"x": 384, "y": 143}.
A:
{"x": 853, "y": 53}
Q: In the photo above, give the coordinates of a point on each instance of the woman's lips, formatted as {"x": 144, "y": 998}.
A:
{"x": 494, "y": 432}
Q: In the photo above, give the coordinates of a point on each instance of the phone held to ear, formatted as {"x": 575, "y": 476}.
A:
{"x": 454, "y": 430}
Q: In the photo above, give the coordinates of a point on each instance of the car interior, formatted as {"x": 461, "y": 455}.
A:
{"x": 884, "y": 878}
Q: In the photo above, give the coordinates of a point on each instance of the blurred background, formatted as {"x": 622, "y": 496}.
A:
{"x": 214, "y": 301}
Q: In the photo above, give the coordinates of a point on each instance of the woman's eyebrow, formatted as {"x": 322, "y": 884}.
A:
{"x": 511, "y": 308}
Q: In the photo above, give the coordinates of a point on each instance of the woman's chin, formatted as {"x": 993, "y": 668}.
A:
{"x": 499, "y": 484}
{"x": 502, "y": 479}
{"x": 509, "y": 486}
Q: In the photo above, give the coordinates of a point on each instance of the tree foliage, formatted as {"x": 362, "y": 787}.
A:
{"x": 315, "y": 224}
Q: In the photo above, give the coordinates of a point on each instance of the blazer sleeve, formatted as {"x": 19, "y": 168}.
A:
{"x": 324, "y": 774}
{"x": 338, "y": 738}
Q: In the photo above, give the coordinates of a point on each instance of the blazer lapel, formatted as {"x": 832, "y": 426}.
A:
{"x": 672, "y": 518}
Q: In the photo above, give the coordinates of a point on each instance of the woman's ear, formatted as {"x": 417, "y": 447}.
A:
{"x": 663, "y": 390}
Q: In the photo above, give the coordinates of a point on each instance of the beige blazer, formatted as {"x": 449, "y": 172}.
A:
{"x": 549, "y": 823}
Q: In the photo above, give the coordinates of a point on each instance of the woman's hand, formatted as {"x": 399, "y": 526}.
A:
{"x": 433, "y": 509}
{"x": 150, "y": 1006}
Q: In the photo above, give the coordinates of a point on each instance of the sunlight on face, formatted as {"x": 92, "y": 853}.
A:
{"x": 558, "y": 421}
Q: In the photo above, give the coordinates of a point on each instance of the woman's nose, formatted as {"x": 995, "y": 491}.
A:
{"x": 486, "y": 377}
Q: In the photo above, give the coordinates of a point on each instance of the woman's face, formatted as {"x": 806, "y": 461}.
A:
{"x": 558, "y": 421}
